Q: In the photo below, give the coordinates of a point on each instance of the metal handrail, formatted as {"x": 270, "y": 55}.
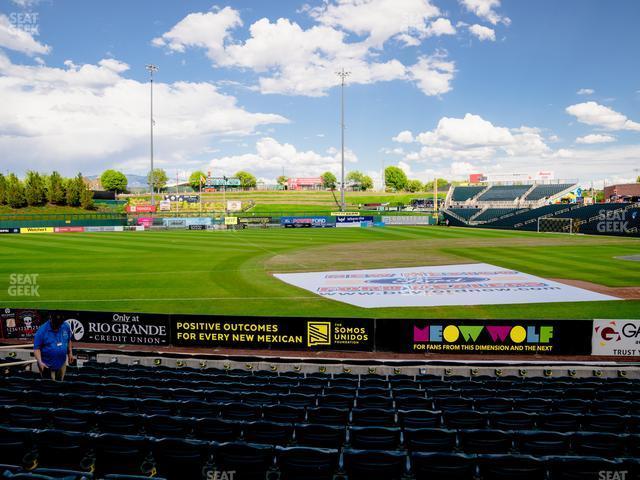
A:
{"x": 10, "y": 347}
{"x": 18, "y": 363}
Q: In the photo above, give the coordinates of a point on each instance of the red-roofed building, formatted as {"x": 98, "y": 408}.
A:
{"x": 310, "y": 183}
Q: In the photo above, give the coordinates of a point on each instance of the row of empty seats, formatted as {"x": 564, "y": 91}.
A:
{"x": 545, "y": 191}
{"x": 111, "y": 419}
{"x": 503, "y": 193}
{"x": 494, "y": 213}
{"x": 461, "y": 194}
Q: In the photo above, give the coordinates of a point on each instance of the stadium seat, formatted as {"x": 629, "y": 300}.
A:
{"x": 216, "y": 429}
{"x": 374, "y": 417}
{"x": 512, "y": 420}
{"x": 17, "y": 446}
{"x": 508, "y": 467}
{"x": 166, "y": 426}
{"x": 240, "y": 412}
{"x": 419, "y": 418}
{"x": 606, "y": 445}
{"x": 430, "y": 440}
{"x": 581, "y": 468}
{"x": 179, "y": 459}
{"x": 485, "y": 441}
{"x": 560, "y": 422}
{"x": 323, "y": 436}
{"x": 295, "y": 463}
{"x": 268, "y": 433}
{"x": 124, "y": 454}
{"x": 60, "y": 449}
{"x": 328, "y": 416}
{"x": 250, "y": 462}
{"x": 114, "y": 422}
{"x": 542, "y": 443}
{"x": 283, "y": 414}
{"x": 374, "y": 464}
{"x": 374, "y": 438}
{"x": 446, "y": 466}
{"x": 464, "y": 419}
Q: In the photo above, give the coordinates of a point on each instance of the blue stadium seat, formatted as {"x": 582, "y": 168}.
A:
{"x": 374, "y": 464}
{"x": 295, "y": 463}
{"x": 323, "y": 436}
{"x": 430, "y": 440}
{"x": 446, "y": 466}
{"x": 250, "y": 462}
{"x": 485, "y": 441}
{"x": 375, "y": 438}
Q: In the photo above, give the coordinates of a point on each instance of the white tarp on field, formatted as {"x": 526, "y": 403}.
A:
{"x": 472, "y": 284}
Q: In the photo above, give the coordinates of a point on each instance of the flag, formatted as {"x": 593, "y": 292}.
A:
{"x": 203, "y": 179}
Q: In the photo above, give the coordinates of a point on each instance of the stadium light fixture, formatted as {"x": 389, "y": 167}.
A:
{"x": 151, "y": 69}
{"x": 343, "y": 76}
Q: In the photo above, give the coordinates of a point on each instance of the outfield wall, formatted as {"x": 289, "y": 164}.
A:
{"x": 437, "y": 336}
{"x": 600, "y": 219}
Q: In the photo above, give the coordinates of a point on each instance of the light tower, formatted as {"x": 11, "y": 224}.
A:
{"x": 151, "y": 69}
{"x": 343, "y": 75}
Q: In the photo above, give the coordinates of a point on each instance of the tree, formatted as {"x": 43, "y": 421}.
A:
{"x": 114, "y": 181}
{"x": 55, "y": 189}
{"x": 157, "y": 179}
{"x": 414, "y": 186}
{"x": 86, "y": 197}
{"x": 638, "y": 179}
{"x": 75, "y": 186}
{"x": 329, "y": 180}
{"x": 246, "y": 179}
{"x": 3, "y": 190}
{"x": 360, "y": 180}
{"x": 195, "y": 179}
{"x": 441, "y": 182}
{"x": 394, "y": 177}
{"x": 15, "y": 192}
{"x": 35, "y": 192}
{"x": 282, "y": 180}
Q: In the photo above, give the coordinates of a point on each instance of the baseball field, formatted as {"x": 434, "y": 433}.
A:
{"x": 230, "y": 272}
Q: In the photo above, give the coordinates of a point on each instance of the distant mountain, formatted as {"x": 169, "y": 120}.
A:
{"x": 133, "y": 181}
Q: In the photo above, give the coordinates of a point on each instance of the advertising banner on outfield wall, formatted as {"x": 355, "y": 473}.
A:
{"x": 9, "y": 230}
{"x": 619, "y": 338}
{"x": 508, "y": 337}
{"x": 407, "y": 220}
{"x": 119, "y": 327}
{"x": 306, "y": 222}
{"x": 273, "y": 333}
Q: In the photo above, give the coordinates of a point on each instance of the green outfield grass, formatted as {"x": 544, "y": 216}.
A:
{"x": 229, "y": 272}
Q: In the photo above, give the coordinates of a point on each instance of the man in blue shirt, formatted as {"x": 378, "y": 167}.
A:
{"x": 52, "y": 348}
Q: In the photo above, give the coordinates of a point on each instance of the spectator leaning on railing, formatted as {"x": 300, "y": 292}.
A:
{"x": 52, "y": 348}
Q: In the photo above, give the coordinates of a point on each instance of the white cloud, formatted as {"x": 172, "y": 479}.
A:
{"x": 205, "y": 30}
{"x": 473, "y": 139}
{"x": 596, "y": 138}
{"x": 19, "y": 40}
{"x": 486, "y": 9}
{"x": 441, "y": 26}
{"x": 404, "y": 136}
{"x": 271, "y": 156}
{"x": 91, "y": 116}
{"x": 592, "y": 113}
{"x": 433, "y": 75}
{"x": 586, "y": 91}
{"x": 482, "y": 32}
{"x": 291, "y": 60}
{"x": 379, "y": 20}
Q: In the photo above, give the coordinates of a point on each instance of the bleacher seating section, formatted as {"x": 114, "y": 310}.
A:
{"x": 493, "y": 213}
{"x": 111, "y": 420}
{"x": 544, "y": 191}
{"x": 503, "y": 193}
{"x": 461, "y": 194}
{"x": 465, "y": 213}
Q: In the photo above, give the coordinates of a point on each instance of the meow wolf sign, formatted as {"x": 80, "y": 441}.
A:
{"x": 471, "y": 284}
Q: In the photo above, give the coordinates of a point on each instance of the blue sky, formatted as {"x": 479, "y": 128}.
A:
{"x": 438, "y": 87}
